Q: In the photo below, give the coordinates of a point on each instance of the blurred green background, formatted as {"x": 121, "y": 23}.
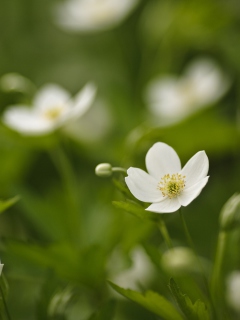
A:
{"x": 60, "y": 241}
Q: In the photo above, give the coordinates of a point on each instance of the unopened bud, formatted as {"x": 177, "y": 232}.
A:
{"x": 233, "y": 290}
{"x": 14, "y": 82}
{"x": 103, "y": 170}
{"x": 1, "y": 267}
{"x": 179, "y": 261}
{"x": 230, "y": 214}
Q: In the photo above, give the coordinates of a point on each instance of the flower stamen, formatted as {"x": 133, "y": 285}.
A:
{"x": 53, "y": 113}
{"x": 171, "y": 185}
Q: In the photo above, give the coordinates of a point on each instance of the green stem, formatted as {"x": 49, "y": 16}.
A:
{"x": 187, "y": 234}
{"x": 119, "y": 169}
{"x": 163, "y": 229}
{"x": 66, "y": 173}
{"x": 5, "y": 304}
{"x": 205, "y": 280}
{"x": 218, "y": 264}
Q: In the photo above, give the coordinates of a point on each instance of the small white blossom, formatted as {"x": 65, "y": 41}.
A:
{"x": 166, "y": 185}
{"x": 173, "y": 98}
{"x": 92, "y": 15}
{"x": 233, "y": 290}
{"x": 52, "y": 108}
{"x": 139, "y": 274}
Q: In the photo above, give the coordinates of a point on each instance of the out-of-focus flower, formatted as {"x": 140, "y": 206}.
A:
{"x": 52, "y": 108}
{"x": 97, "y": 117}
{"x": 140, "y": 273}
{"x": 173, "y": 98}
{"x": 92, "y": 15}
{"x": 166, "y": 185}
{"x": 233, "y": 290}
{"x": 180, "y": 261}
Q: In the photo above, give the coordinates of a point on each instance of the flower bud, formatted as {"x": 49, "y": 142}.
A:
{"x": 179, "y": 261}
{"x": 103, "y": 170}
{"x": 233, "y": 290}
{"x": 14, "y": 82}
{"x": 230, "y": 214}
{"x": 1, "y": 267}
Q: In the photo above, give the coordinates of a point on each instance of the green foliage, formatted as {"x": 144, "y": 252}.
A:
{"x": 61, "y": 239}
{"x": 135, "y": 209}
{"x": 196, "y": 311}
{"x": 151, "y": 301}
{"x": 5, "y": 204}
{"x": 106, "y": 313}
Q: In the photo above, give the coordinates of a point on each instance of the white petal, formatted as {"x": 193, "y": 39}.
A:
{"x": 51, "y": 95}
{"x": 208, "y": 81}
{"x": 196, "y": 168}
{"x": 90, "y": 15}
{"x": 189, "y": 194}
{"x": 143, "y": 186}
{"x": 23, "y": 120}
{"x": 162, "y": 159}
{"x": 166, "y": 98}
{"x": 83, "y": 100}
{"x": 166, "y": 206}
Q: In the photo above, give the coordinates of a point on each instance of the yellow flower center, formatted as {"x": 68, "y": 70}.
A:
{"x": 53, "y": 113}
{"x": 171, "y": 185}
{"x": 102, "y": 13}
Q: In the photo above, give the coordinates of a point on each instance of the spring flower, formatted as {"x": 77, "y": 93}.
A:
{"x": 166, "y": 185}
{"x": 52, "y": 108}
{"x": 173, "y": 98}
{"x": 92, "y": 15}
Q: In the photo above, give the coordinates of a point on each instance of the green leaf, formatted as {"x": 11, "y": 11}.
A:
{"x": 151, "y": 301}
{"x": 135, "y": 209}
{"x": 106, "y": 312}
{"x": 5, "y": 204}
{"x": 196, "y": 311}
{"x": 121, "y": 186}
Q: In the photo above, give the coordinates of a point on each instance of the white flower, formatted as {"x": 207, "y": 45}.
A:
{"x": 167, "y": 186}
{"x": 92, "y": 15}
{"x": 139, "y": 274}
{"x": 173, "y": 98}
{"x": 52, "y": 108}
{"x": 233, "y": 290}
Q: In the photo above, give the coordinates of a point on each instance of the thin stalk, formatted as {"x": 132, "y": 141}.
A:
{"x": 67, "y": 175}
{"x": 191, "y": 244}
{"x": 5, "y": 304}
{"x": 119, "y": 169}
{"x": 164, "y": 231}
{"x": 187, "y": 234}
{"x": 218, "y": 263}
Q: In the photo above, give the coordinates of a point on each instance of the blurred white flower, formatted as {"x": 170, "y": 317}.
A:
{"x": 233, "y": 290}
{"x": 92, "y": 15}
{"x": 98, "y": 117}
{"x": 173, "y": 98}
{"x": 52, "y": 108}
{"x": 166, "y": 185}
{"x": 141, "y": 271}
{"x": 181, "y": 261}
